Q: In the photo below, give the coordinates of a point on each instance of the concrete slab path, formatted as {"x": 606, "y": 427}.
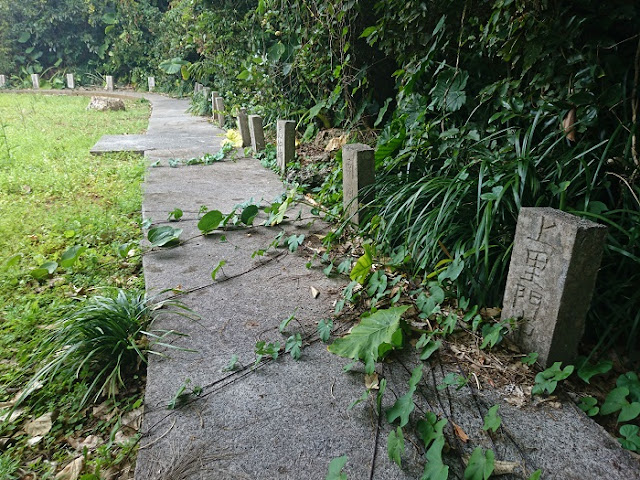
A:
{"x": 288, "y": 419}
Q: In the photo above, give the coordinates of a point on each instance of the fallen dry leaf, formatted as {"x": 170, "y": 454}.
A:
{"x": 314, "y": 292}
{"x": 336, "y": 143}
{"x": 34, "y": 440}
{"x": 504, "y": 467}
{"x": 40, "y": 426}
{"x": 371, "y": 381}
{"x": 90, "y": 443}
{"x": 133, "y": 419}
{"x": 72, "y": 470}
{"x": 460, "y": 433}
{"x": 103, "y": 412}
{"x": 12, "y": 416}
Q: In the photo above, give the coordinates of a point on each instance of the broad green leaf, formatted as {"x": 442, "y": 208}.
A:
{"x": 492, "y": 420}
{"x": 324, "y": 329}
{"x": 68, "y": 258}
{"x": 480, "y": 466}
{"x": 435, "y": 469}
{"x": 368, "y": 31}
{"x": 404, "y": 405}
{"x": 530, "y": 358}
{"x": 630, "y": 381}
{"x": 24, "y": 36}
{"x": 11, "y": 261}
{"x": 294, "y": 241}
{"x": 587, "y": 371}
{"x": 589, "y": 406}
{"x": 232, "y": 365}
{"x": 366, "y": 338}
{"x": 249, "y": 214}
{"x": 616, "y": 400}
{"x": 293, "y": 346}
{"x": 44, "y": 270}
{"x": 395, "y": 446}
{"x": 243, "y": 75}
{"x": 221, "y": 264}
{"x": 430, "y": 428}
{"x": 284, "y": 323}
{"x": 176, "y": 214}
{"x": 362, "y": 268}
{"x": 536, "y": 475}
{"x": 629, "y": 412}
{"x": 210, "y": 221}
{"x": 164, "y": 236}
{"x": 335, "y": 469}
{"x": 429, "y": 349}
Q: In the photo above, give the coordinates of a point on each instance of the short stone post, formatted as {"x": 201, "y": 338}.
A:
{"x": 257, "y": 133}
{"x": 109, "y": 87}
{"x": 286, "y": 143}
{"x": 35, "y": 80}
{"x": 214, "y": 95}
{"x": 219, "y": 111}
{"x": 358, "y": 174}
{"x": 3, "y": 81}
{"x": 197, "y": 87}
{"x": 71, "y": 84}
{"x": 552, "y": 274}
{"x": 151, "y": 81}
{"x": 243, "y": 127}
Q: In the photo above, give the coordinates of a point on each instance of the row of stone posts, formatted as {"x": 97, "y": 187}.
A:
{"x": 71, "y": 84}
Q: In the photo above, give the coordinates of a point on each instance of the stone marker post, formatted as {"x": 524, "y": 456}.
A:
{"x": 3, "y": 81}
{"x": 71, "y": 84}
{"x": 219, "y": 111}
{"x": 205, "y": 92}
{"x": 197, "y": 87}
{"x": 256, "y": 132}
{"x": 214, "y": 94}
{"x": 243, "y": 127}
{"x": 286, "y": 143}
{"x": 358, "y": 173}
{"x": 35, "y": 80}
{"x": 552, "y": 273}
{"x": 151, "y": 81}
{"x": 109, "y": 87}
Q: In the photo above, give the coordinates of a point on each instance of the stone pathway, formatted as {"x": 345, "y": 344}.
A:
{"x": 288, "y": 419}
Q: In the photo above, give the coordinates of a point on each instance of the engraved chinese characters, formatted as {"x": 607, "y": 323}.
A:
{"x": 553, "y": 268}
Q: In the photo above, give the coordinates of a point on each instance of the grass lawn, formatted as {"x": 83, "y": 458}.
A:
{"x": 55, "y": 196}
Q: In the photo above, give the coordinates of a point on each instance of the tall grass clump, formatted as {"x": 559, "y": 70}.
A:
{"x": 456, "y": 197}
{"x": 104, "y": 342}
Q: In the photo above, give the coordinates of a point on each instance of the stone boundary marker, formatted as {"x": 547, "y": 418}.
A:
{"x": 257, "y": 133}
{"x": 243, "y": 127}
{"x": 554, "y": 263}
{"x": 205, "y": 93}
{"x": 35, "y": 81}
{"x": 358, "y": 173}
{"x": 3, "y": 81}
{"x": 219, "y": 111}
{"x": 109, "y": 87}
{"x": 71, "y": 84}
{"x": 286, "y": 143}
{"x": 151, "y": 81}
{"x": 197, "y": 87}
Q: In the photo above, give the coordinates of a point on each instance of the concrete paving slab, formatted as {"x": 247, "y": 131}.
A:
{"x": 288, "y": 419}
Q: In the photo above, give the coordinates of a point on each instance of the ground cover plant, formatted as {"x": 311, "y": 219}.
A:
{"x": 69, "y": 231}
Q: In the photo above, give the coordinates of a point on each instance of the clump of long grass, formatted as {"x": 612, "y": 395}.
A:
{"x": 104, "y": 342}
{"x": 439, "y": 208}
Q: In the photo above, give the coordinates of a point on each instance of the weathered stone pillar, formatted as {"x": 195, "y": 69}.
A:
{"x": 243, "y": 127}
{"x": 71, "y": 83}
{"x": 219, "y": 111}
{"x": 286, "y": 143}
{"x": 552, "y": 274}
{"x": 205, "y": 93}
{"x": 109, "y": 87}
{"x": 358, "y": 174}
{"x": 197, "y": 87}
{"x": 35, "y": 80}
{"x": 3, "y": 81}
{"x": 257, "y": 133}
{"x": 151, "y": 81}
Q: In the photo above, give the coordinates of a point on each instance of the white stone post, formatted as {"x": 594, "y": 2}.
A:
{"x": 151, "y": 81}
{"x": 71, "y": 84}
{"x": 109, "y": 87}
{"x": 35, "y": 80}
{"x": 243, "y": 127}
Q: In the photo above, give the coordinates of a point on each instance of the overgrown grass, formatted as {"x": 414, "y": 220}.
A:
{"x": 54, "y": 195}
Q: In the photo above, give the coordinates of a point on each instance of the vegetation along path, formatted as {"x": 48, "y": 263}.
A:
{"x": 250, "y": 390}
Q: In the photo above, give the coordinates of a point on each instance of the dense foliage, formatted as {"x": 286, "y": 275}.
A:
{"x": 480, "y": 107}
